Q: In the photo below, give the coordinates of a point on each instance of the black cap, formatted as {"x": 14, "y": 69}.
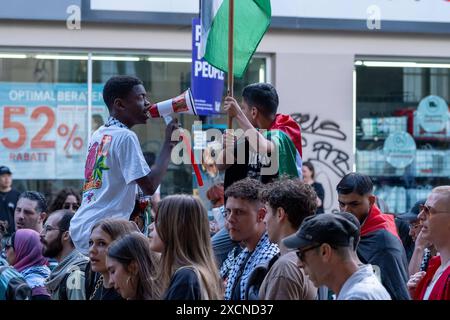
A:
{"x": 4, "y": 170}
{"x": 413, "y": 214}
{"x": 334, "y": 229}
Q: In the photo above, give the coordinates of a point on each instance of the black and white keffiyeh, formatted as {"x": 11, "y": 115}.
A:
{"x": 113, "y": 122}
{"x": 263, "y": 253}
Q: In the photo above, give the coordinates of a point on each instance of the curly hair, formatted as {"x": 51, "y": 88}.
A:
{"x": 61, "y": 197}
{"x": 246, "y": 189}
{"x": 298, "y": 199}
{"x": 118, "y": 87}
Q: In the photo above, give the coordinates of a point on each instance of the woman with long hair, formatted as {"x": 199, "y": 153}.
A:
{"x": 188, "y": 270}
{"x": 309, "y": 173}
{"x": 66, "y": 198}
{"x": 132, "y": 268}
{"x": 102, "y": 235}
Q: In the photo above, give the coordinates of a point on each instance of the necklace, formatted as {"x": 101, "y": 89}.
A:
{"x": 97, "y": 286}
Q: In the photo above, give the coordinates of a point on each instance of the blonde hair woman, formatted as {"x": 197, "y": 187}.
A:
{"x": 188, "y": 269}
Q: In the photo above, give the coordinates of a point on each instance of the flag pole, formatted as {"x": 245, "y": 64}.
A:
{"x": 230, "y": 90}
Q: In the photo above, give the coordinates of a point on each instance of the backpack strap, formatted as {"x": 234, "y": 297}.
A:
{"x": 62, "y": 293}
{"x": 16, "y": 286}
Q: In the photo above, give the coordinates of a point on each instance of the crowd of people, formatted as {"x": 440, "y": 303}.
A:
{"x": 274, "y": 240}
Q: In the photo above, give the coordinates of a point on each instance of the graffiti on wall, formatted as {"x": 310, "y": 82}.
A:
{"x": 331, "y": 163}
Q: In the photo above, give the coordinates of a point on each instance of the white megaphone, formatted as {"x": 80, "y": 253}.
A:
{"x": 184, "y": 103}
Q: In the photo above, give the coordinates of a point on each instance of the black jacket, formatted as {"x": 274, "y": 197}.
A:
{"x": 381, "y": 248}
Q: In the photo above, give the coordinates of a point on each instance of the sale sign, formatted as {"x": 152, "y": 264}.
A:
{"x": 43, "y": 128}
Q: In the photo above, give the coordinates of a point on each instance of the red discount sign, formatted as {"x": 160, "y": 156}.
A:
{"x": 43, "y": 141}
{"x": 44, "y": 128}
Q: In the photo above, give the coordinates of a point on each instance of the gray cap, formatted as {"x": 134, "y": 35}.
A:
{"x": 334, "y": 229}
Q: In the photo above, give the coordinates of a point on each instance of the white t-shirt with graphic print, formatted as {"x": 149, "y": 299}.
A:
{"x": 113, "y": 164}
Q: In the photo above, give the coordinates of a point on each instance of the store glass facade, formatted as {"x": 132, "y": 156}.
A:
{"x": 44, "y": 111}
{"x": 403, "y": 128}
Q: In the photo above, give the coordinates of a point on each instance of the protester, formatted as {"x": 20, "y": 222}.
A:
{"x": 67, "y": 199}
{"x": 8, "y": 199}
{"x": 215, "y": 195}
{"x": 24, "y": 253}
{"x": 245, "y": 216}
{"x": 104, "y": 232}
{"x": 138, "y": 215}
{"x": 424, "y": 250}
{"x": 309, "y": 173}
{"x": 408, "y": 227}
{"x": 132, "y": 268}
{"x": 326, "y": 245}
{"x": 181, "y": 234}
{"x": 115, "y": 164}
{"x": 434, "y": 282}
{"x": 267, "y": 154}
{"x": 67, "y": 279}
{"x": 31, "y": 211}
{"x": 380, "y": 244}
{"x": 288, "y": 202}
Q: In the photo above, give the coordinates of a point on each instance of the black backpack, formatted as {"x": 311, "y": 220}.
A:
{"x": 256, "y": 278}
{"x": 12, "y": 285}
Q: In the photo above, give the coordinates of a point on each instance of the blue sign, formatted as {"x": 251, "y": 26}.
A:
{"x": 206, "y": 81}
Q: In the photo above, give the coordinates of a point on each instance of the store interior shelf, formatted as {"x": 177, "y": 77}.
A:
{"x": 372, "y": 138}
{"x": 408, "y": 177}
{"x": 433, "y": 139}
{"x": 417, "y": 139}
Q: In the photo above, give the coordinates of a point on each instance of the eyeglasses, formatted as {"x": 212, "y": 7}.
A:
{"x": 427, "y": 210}
{"x": 73, "y": 206}
{"x": 48, "y": 228}
{"x": 8, "y": 243}
{"x": 301, "y": 253}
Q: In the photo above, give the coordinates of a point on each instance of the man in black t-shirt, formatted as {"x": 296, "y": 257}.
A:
{"x": 8, "y": 198}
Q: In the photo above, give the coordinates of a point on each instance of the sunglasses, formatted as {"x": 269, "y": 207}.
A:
{"x": 301, "y": 253}
{"x": 427, "y": 210}
{"x": 10, "y": 242}
{"x": 73, "y": 206}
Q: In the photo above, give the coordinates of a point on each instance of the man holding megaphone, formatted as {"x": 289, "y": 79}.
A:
{"x": 115, "y": 165}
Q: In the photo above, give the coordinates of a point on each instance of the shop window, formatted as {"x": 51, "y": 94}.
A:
{"x": 43, "y": 112}
{"x": 403, "y": 129}
{"x": 58, "y": 82}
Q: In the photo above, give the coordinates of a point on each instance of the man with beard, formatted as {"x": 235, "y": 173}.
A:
{"x": 380, "y": 243}
{"x": 66, "y": 282}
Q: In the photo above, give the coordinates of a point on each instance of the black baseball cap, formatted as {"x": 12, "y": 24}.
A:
{"x": 413, "y": 214}
{"x": 335, "y": 229}
{"x": 4, "y": 170}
